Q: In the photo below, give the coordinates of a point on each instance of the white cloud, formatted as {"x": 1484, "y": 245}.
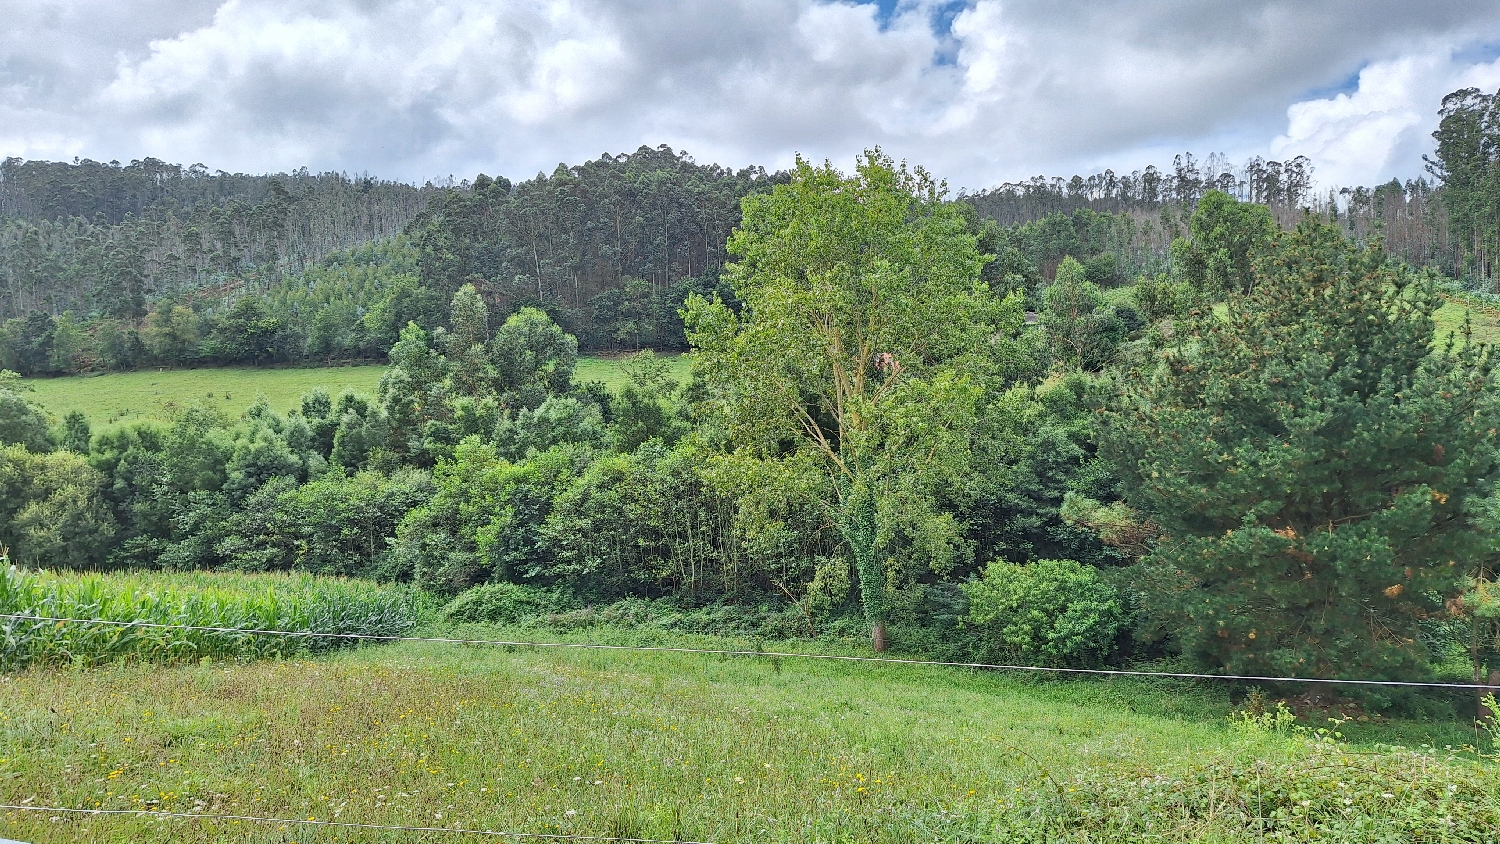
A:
{"x": 1379, "y": 130}
{"x": 411, "y": 88}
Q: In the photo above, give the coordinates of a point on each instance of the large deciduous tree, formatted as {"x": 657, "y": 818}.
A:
{"x": 860, "y": 352}
{"x": 1312, "y": 461}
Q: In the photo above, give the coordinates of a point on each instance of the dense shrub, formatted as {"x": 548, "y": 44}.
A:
{"x": 556, "y": 421}
{"x": 1051, "y": 612}
{"x": 506, "y": 603}
{"x": 484, "y": 522}
{"x": 679, "y": 521}
{"x": 752, "y": 621}
{"x": 335, "y": 525}
{"x": 52, "y": 510}
{"x": 20, "y": 422}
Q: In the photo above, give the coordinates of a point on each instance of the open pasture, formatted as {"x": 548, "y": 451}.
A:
{"x": 157, "y": 394}
{"x": 694, "y": 748}
{"x": 1484, "y": 321}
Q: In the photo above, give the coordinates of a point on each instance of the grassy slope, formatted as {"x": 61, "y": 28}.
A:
{"x": 1485, "y": 322}
{"x": 128, "y": 396}
{"x": 611, "y": 370}
{"x": 675, "y": 746}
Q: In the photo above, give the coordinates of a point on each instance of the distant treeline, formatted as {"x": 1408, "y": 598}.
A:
{"x": 104, "y": 266}
{"x": 610, "y": 248}
{"x": 107, "y": 240}
{"x": 1272, "y": 183}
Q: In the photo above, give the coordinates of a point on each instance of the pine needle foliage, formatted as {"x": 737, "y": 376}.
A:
{"x": 1312, "y": 460}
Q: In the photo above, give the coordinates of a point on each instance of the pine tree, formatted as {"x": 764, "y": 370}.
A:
{"x": 1312, "y": 460}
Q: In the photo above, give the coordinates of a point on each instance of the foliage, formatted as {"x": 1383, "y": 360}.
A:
{"x": 90, "y": 237}
{"x": 484, "y": 522}
{"x": 1311, "y": 461}
{"x": 260, "y": 603}
{"x": 52, "y": 510}
{"x": 1082, "y": 334}
{"x": 863, "y": 340}
{"x": 1467, "y": 163}
{"x": 1116, "y": 523}
{"x": 645, "y": 409}
{"x": 1227, "y": 238}
{"x": 21, "y": 422}
{"x": 1033, "y": 448}
{"x": 558, "y": 420}
{"x": 442, "y": 387}
{"x": 533, "y": 357}
{"x": 1048, "y": 612}
{"x": 335, "y": 525}
{"x": 507, "y": 603}
{"x": 1161, "y": 297}
{"x": 609, "y": 248}
{"x": 677, "y": 522}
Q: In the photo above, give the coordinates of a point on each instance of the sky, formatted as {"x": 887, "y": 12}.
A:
{"x": 978, "y": 91}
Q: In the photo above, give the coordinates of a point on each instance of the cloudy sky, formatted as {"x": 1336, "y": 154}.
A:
{"x": 980, "y": 91}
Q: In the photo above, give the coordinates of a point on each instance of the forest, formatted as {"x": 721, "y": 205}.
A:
{"x": 1200, "y": 413}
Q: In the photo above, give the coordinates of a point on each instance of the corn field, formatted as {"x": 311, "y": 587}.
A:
{"x": 298, "y": 604}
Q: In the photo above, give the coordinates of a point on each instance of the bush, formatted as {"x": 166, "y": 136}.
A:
{"x": 21, "y": 423}
{"x": 758, "y": 621}
{"x": 1051, "y": 612}
{"x": 52, "y": 509}
{"x": 506, "y": 603}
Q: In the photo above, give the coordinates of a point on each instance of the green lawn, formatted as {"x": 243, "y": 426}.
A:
{"x": 130, "y": 396}
{"x": 157, "y": 394}
{"x": 701, "y": 748}
{"x": 611, "y": 370}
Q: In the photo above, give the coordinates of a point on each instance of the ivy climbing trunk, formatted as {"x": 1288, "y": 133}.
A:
{"x": 860, "y": 531}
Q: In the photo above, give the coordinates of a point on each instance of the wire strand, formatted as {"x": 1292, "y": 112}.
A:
{"x": 536, "y": 836}
{"x": 1174, "y": 675}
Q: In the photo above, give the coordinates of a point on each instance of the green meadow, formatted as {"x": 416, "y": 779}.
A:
{"x": 157, "y": 394}
{"x": 691, "y": 747}
{"x": 1484, "y": 321}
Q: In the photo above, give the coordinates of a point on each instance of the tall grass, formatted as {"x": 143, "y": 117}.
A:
{"x": 238, "y": 602}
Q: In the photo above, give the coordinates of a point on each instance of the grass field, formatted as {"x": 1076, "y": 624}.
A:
{"x": 611, "y": 370}
{"x": 1485, "y": 322}
{"x": 129, "y": 396}
{"x": 696, "y": 748}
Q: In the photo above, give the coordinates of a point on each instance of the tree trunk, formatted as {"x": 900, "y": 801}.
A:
{"x": 859, "y": 531}
{"x": 1494, "y": 689}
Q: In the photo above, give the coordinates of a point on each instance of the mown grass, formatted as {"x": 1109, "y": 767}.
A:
{"x": 131, "y": 396}
{"x": 692, "y": 747}
{"x": 611, "y": 369}
{"x": 158, "y": 394}
{"x": 297, "y": 603}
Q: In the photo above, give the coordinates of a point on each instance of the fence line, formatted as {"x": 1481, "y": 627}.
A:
{"x": 1174, "y": 675}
